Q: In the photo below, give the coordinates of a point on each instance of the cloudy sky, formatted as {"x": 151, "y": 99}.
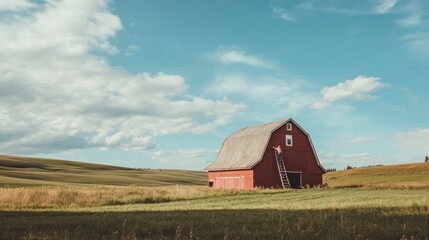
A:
{"x": 160, "y": 84}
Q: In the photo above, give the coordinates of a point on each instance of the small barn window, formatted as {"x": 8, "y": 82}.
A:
{"x": 289, "y": 140}
{"x": 289, "y": 126}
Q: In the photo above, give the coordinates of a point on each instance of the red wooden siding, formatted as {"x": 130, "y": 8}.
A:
{"x": 300, "y": 161}
{"x": 237, "y": 179}
{"x": 298, "y": 158}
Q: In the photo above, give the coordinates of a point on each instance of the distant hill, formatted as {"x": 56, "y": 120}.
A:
{"x": 24, "y": 171}
{"x": 415, "y": 175}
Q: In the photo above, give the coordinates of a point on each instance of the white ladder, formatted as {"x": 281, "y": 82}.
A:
{"x": 282, "y": 170}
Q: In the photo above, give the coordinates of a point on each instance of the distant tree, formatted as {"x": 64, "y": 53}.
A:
{"x": 427, "y": 159}
{"x": 349, "y": 167}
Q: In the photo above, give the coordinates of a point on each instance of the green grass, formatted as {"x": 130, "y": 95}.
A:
{"x": 58, "y": 200}
{"x": 21, "y": 171}
{"x": 403, "y": 176}
{"x": 260, "y": 214}
{"x": 375, "y": 223}
{"x": 291, "y": 200}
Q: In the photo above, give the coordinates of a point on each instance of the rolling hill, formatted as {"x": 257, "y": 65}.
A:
{"x": 24, "y": 171}
{"x": 414, "y": 175}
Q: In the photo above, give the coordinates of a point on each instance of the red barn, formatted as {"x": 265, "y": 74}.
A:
{"x": 247, "y": 158}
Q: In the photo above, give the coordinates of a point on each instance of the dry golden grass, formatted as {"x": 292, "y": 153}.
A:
{"x": 402, "y": 176}
{"x": 399, "y": 185}
{"x": 93, "y": 196}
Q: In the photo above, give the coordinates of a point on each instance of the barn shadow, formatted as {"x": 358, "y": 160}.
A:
{"x": 369, "y": 223}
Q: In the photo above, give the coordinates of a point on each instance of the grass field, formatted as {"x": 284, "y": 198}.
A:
{"x": 403, "y": 176}
{"x": 260, "y": 214}
{"x": 21, "y": 171}
{"x": 53, "y": 205}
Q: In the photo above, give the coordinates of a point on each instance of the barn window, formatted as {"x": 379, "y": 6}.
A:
{"x": 289, "y": 140}
{"x": 289, "y": 126}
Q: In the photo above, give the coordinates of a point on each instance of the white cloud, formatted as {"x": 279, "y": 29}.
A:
{"x": 417, "y": 42}
{"x": 412, "y": 14}
{"x": 75, "y": 31}
{"x": 410, "y": 21}
{"x": 385, "y": 6}
{"x": 362, "y": 139}
{"x": 282, "y": 95}
{"x": 133, "y": 47}
{"x": 347, "y": 8}
{"x": 15, "y": 5}
{"x": 183, "y": 157}
{"x": 306, "y": 6}
{"x": 332, "y": 159}
{"x": 358, "y": 89}
{"x": 413, "y": 17}
{"x": 56, "y": 95}
{"x": 241, "y": 57}
{"x": 415, "y": 139}
{"x": 281, "y": 13}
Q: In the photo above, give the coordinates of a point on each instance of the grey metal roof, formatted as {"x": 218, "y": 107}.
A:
{"x": 245, "y": 148}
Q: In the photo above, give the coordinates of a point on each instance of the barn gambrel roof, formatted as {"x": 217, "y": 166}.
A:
{"x": 246, "y": 147}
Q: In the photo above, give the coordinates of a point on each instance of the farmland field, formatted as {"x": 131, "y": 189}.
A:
{"x": 68, "y": 210}
{"x": 23, "y": 171}
{"x": 402, "y": 176}
{"x": 259, "y": 214}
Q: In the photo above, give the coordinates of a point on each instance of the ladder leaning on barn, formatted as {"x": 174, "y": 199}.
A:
{"x": 282, "y": 170}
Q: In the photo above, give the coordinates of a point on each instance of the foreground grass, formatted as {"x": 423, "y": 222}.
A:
{"x": 291, "y": 200}
{"x": 259, "y": 214}
{"x": 366, "y": 223}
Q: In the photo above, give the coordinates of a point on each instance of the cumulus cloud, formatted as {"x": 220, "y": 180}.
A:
{"x": 359, "y": 88}
{"x": 56, "y": 94}
{"x": 15, "y": 5}
{"x": 241, "y": 57}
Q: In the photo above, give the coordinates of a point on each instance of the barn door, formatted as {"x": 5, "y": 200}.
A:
{"x": 230, "y": 182}
{"x": 294, "y": 179}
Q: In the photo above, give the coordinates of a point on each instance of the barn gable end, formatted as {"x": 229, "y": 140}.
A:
{"x": 247, "y": 160}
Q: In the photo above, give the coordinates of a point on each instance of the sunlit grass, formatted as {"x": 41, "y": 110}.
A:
{"x": 185, "y": 212}
{"x": 72, "y": 197}
{"x": 63, "y": 202}
{"x": 404, "y": 176}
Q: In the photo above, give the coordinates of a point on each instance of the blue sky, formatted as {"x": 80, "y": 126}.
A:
{"x": 161, "y": 84}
